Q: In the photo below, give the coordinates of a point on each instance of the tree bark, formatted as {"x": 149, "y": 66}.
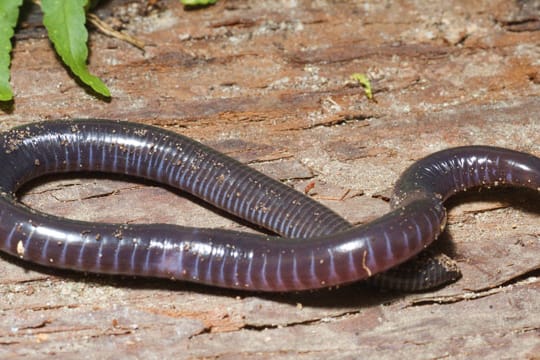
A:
{"x": 268, "y": 82}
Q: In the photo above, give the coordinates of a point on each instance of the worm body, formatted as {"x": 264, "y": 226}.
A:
{"x": 315, "y": 247}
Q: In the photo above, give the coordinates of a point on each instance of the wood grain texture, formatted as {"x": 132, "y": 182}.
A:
{"x": 268, "y": 83}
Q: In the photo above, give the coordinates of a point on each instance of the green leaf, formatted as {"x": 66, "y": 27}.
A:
{"x": 198, "y": 2}
{"x": 9, "y": 13}
{"x": 65, "y": 21}
{"x": 363, "y": 80}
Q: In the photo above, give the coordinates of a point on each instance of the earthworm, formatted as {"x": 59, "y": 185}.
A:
{"x": 314, "y": 247}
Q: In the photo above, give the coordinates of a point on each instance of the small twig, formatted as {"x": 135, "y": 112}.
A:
{"x": 344, "y": 195}
{"x": 108, "y": 30}
{"x": 334, "y": 198}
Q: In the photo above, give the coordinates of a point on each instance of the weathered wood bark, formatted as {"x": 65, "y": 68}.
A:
{"x": 268, "y": 83}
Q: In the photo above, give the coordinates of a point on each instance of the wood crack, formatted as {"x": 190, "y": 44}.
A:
{"x": 525, "y": 280}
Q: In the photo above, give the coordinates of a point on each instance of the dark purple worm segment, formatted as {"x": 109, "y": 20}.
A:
{"x": 317, "y": 248}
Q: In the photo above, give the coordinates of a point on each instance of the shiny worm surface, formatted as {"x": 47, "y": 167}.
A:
{"x": 316, "y": 247}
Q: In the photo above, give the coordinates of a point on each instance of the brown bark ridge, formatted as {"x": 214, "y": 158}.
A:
{"x": 268, "y": 82}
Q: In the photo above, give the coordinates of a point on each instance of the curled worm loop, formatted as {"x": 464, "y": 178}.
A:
{"x": 315, "y": 247}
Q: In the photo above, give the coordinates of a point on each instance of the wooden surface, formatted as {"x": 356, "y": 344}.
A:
{"x": 268, "y": 83}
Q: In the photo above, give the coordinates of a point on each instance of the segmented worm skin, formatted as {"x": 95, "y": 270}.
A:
{"x": 317, "y": 248}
